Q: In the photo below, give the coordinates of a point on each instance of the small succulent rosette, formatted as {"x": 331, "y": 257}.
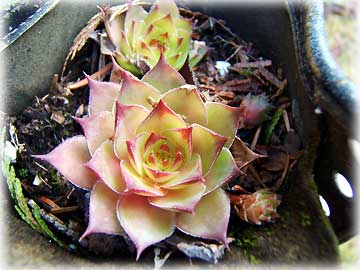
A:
{"x": 259, "y": 207}
{"x": 140, "y": 37}
{"x": 254, "y": 110}
{"x": 154, "y": 156}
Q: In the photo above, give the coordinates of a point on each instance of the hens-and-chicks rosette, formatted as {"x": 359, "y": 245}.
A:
{"x": 140, "y": 37}
{"x": 154, "y": 158}
{"x": 258, "y": 207}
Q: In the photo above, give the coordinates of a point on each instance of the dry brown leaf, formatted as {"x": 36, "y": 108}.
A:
{"x": 243, "y": 154}
{"x": 85, "y": 33}
{"x": 271, "y": 78}
{"x": 81, "y": 39}
{"x": 256, "y": 64}
{"x": 275, "y": 161}
{"x": 58, "y": 117}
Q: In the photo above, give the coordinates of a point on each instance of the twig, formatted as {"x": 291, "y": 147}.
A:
{"x": 54, "y": 82}
{"x": 69, "y": 194}
{"x": 237, "y": 187}
{"x": 41, "y": 166}
{"x": 233, "y": 54}
{"x": 286, "y": 120}
{"x": 256, "y": 176}
{"x": 208, "y": 87}
{"x": 49, "y": 202}
{"x": 63, "y": 209}
{"x": 282, "y": 178}
{"x": 256, "y": 138}
{"x": 256, "y": 64}
{"x": 84, "y": 82}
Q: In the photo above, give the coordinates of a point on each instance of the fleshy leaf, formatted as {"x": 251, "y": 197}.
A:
{"x": 158, "y": 176}
{"x": 229, "y": 120}
{"x": 102, "y": 213}
{"x": 186, "y": 101}
{"x": 124, "y": 46}
{"x": 97, "y": 129}
{"x": 145, "y": 224}
{"x": 154, "y": 15}
{"x": 190, "y": 172}
{"x": 184, "y": 25}
{"x": 134, "y": 91}
{"x": 211, "y": 217}
{"x": 163, "y": 76}
{"x": 223, "y": 170}
{"x": 134, "y": 13}
{"x": 118, "y": 72}
{"x": 243, "y": 154}
{"x": 181, "y": 137}
{"x": 197, "y": 52}
{"x": 168, "y": 7}
{"x": 106, "y": 165}
{"x": 208, "y": 144}
{"x": 137, "y": 184}
{"x": 160, "y": 119}
{"x": 128, "y": 118}
{"x": 113, "y": 26}
{"x": 102, "y": 96}
{"x": 184, "y": 199}
{"x": 135, "y": 148}
{"x": 126, "y": 63}
{"x": 69, "y": 158}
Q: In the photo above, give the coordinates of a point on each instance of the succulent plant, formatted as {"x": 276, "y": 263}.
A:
{"x": 140, "y": 37}
{"x": 254, "y": 111}
{"x": 257, "y": 207}
{"x": 154, "y": 157}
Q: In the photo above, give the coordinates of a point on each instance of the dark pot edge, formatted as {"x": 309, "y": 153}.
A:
{"x": 327, "y": 84}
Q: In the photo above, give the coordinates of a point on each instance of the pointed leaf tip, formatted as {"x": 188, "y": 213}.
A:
{"x": 211, "y": 217}
{"x": 128, "y": 118}
{"x": 144, "y": 223}
{"x": 106, "y": 165}
{"x": 183, "y": 199}
{"x": 223, "y": 170}
{"x": 102, "y": 96}
{"x": 134, "y": 91}
{"x": 97, "y": 129}
{"x": 229, "y": 120}
{"x": 69, "y": 158}
{"x": 186, "y": 100}
{"x": 207, "y": 144}
{"x": 243, "y": 155}
{"x": 156, "y": 78}
{"x": 160, "y": 119}
{"x": 102, "y": 212}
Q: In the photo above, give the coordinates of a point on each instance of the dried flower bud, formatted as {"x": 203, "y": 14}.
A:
{"x": 258, "y": 207}
{"x": 254, "y": 111}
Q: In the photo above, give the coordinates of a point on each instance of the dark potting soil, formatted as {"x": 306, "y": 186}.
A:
{"x": 48, "y": 121}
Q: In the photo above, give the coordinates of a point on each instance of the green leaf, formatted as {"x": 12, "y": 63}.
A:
{"x": 36, "y": 211}
{"x": 20, "y": 199}
{"x": 26, "y": 219}
{"x": 272, "y": 124}
{"x": 33, "y": 218}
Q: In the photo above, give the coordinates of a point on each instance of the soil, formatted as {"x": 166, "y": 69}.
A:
{"x": 48, "y": 121}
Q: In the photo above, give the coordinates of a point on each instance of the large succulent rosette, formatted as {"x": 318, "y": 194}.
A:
{"x": 154, "y": 156}
{"x": 140, "y": 36}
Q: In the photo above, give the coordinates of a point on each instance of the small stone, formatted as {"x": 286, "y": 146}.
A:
{"x": 58, "y": 117}
{"x": 222, "y": 67}
{"x": 37, "y": 181}
{"x": 10, "y": 151}
{"x": 80, "y": 110}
